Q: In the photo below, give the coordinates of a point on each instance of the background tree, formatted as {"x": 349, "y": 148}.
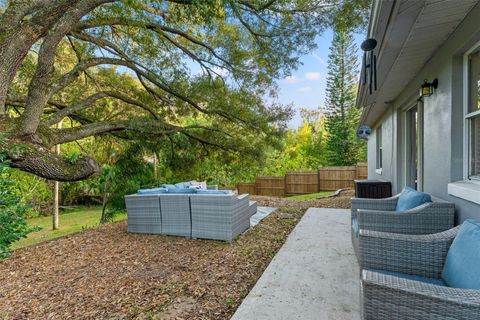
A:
{"x": 343, "y": 148}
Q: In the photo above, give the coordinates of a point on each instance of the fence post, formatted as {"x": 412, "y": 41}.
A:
{"x": 318, "y": 180}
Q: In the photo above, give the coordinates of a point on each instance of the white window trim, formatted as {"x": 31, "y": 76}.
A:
{"x": 467, "y": 189}
{"x": 404, "y": 143}
{"x": 378, "y": 169}
{"x": 467, "y": 115}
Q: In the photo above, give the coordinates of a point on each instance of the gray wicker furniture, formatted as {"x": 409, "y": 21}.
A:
{"x": 387, "y": 296}
{"x": 252, "y": 207}
{"x": 219, "y": 216}
{"x": 175, "y": 213}
{"x": 380, "y": 215}
{"x": 143, "y": 214}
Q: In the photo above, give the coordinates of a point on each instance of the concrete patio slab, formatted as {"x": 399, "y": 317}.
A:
{"x": 314, "y": 275}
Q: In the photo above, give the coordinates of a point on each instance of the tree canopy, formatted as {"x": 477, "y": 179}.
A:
{"x": 124, "y": 67}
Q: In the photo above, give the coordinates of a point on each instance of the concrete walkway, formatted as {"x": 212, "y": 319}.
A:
{"x": 314, "y": 276}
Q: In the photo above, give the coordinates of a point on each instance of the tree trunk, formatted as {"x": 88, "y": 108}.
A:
{"x": 155, "y": 166}
{"x": 103, "y": 219}
{"x": 56, "y": 204}
{"x": 56, "y": 192}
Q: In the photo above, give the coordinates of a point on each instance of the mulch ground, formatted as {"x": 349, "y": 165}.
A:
{"x": 107, "y": 273}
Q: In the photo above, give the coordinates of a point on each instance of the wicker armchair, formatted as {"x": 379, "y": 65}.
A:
{"x": 389, "y": 296}
{"x": 380, "y": 215}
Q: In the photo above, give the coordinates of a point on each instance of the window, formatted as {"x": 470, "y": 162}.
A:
{"x": 379, "y": 162}
{"x": 473, "y": 114}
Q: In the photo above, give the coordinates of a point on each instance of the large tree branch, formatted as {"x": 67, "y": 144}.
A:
{"x": 31, "y": 157}
{"x": 116, "y": 50}
{"x": 150, "y": 76}
{"x": 149, "y": 127}
{"x": 81, "y": 67}
{"x": 86, "y": 103}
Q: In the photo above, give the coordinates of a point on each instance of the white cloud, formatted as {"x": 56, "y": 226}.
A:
{"x": 291, "y": 79}
{"x": 305, "y": 89}
{"x": 313, "y": 75}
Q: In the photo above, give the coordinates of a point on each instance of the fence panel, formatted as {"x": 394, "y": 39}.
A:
{"x": 325, "y": 179}
{"x": 270, "y": 186}
{"x": 362, "y": 171}
{"x": 301, "y": 182}
{"x": 246, "y": 188}
{"x": 334, "y": 178}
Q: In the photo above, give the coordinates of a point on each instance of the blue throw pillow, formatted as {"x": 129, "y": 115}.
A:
{"x": 152, "y": 191}
{"x": 461, "y": 269}
{"x": 169, "y": 186}
{"x": 181, "y": 185}
{"x": 411, "y": 198}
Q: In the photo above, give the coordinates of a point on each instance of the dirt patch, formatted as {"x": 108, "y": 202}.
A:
{"x": 182, "y": 305}
{"x": 107, "y": 273}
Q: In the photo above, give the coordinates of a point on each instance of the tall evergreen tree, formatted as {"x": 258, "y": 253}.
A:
{"x": 343, "y": 148}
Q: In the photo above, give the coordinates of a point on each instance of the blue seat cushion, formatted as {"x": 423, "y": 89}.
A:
{"x": 211, "y": 192}
{"x": 355, "y": 227}
{"x": 461, "y": 269}
{"x": 438, "y": 282}
{"x": 410, "y": 198}
{"x": 152, "y": 191}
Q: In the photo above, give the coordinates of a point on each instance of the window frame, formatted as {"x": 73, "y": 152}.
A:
{"x": 378, "y": 150}
{"x": 468, "y": 117}
{"x": 406, "y": 141}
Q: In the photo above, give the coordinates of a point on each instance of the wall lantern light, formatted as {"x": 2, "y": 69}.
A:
{"x": 428, "y": 88}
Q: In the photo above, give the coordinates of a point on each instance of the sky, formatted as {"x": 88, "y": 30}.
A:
{"x": 305, "y": 88}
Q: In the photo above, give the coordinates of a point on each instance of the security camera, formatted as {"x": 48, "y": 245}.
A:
{"x": 363, "y": 132}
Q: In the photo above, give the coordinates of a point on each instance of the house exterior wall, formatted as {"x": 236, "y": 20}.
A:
{"x": 443, "y": 123}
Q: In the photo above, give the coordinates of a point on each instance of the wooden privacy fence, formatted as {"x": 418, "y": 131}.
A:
{"x": 270, "y": 186}
{"x": 324, "y": 179}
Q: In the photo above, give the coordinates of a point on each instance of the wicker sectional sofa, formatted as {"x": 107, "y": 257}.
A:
{"x": 218, "y": 216}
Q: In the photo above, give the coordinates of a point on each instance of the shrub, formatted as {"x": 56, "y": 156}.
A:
{"x": 13, "y": 225}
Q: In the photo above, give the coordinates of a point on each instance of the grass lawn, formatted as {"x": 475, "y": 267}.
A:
{"x": 73, "y": 220}
{"x": 311, "y": 196}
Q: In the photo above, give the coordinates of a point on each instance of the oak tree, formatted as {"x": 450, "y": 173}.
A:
{"x": 122, "y": 67}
